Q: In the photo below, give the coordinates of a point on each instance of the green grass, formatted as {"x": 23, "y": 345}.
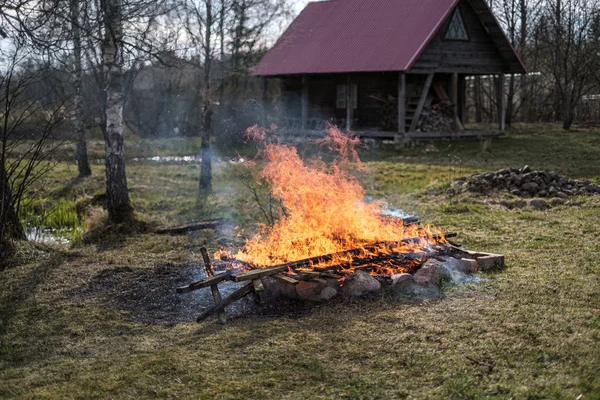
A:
{"x": 529, "y": 332}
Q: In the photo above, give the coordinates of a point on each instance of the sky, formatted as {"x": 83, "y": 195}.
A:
{"x": 300, "y": 4}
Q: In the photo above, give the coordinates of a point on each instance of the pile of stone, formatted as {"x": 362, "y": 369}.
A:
{"x": 526, "y": 183}
{"x": 427, "y": 281}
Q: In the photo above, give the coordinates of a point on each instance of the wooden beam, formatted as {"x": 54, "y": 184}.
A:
{"x": 454, "y": 97}
{"x": 422, "y": 100}
{"x": 286, "y": 279}
{"x": 401, "y": 102}
{"x": 235, "y": 296}
{"x": 210, "y": 271}
{"x": 462, "y": 99}
{"x": 501, "y": 104}
{"x": 304, "y": 101}
{"x": 349, "y": 102}
{"x": 204, "y": 283}
{"x": 259, "y": 273}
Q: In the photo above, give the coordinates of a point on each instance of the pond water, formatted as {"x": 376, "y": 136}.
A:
{"x": 47, "y": 235}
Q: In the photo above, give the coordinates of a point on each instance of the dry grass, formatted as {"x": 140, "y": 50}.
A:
{"x": 530, "y": 332}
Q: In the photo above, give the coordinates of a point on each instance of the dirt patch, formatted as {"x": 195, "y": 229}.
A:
{"x": 148, "y": 294}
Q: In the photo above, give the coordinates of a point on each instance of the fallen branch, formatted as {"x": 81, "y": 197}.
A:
{"x": 180, "y": 230}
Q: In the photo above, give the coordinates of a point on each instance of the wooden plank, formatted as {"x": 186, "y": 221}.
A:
{"x": 462, "y": 100}
{"x": 235, "y": 296}
{"x": 259, "y": 273}
{"x": 422, "y": 99}
{"x": 401, "y": 102}
{"x": 218, "y": 300}
{"x": 210, "y": 271}
{"x": 304, "y": 100}
{"x": 204, "y": 283}
{"x": 286, "y": 279}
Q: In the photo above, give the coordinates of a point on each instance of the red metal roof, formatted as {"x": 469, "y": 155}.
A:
{"x": 339, "y": 36}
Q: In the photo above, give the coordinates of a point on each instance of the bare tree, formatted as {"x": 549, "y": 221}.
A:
{"x": 23, "y": 153}
{"x": 119, "y": 204}
{"x": 571, "y": 55}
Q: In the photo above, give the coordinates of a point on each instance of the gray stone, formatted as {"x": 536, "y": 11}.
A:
{"x": 562, "y": 195}
{"x": 359, "y": 284}
{"x": 538, "y": 204}
{"x": 431, "y": 273}
{"x": 401, "y": 278}
{"x": 530, "y": 187}
{"x": 317, "y": 291}
{"x": 276, "y": 288}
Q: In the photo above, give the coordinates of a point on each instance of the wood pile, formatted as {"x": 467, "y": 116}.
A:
{"x": 308, "y": 280}
{"x": 439, "y": 118}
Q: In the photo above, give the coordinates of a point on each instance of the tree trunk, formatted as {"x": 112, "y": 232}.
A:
{"x": 206, "y": 165}
{"x": 222, "y": 50}
{"x": 10, "y": 225}
{"x": 119, "y": 205}
{"x": 207, "y": 112}
{"x": 83, "y": 164}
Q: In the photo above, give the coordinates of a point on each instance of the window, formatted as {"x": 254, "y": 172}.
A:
{"x": 457, "y": 29}
{"x": 340, "y": 100}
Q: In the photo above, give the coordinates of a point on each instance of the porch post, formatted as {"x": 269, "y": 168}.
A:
{"x": 304, "y": 102}
{"x": 349, "y": 103}
{"x": 402, "y": 102}
{"x": 462, "y": 99}
{"x": 501, "y": 103}
{"x": 454, "y": 99}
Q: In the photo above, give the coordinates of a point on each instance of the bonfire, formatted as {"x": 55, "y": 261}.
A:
{"x": 328, "y": 239}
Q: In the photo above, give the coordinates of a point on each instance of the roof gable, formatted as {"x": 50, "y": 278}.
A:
{"x": 342, "y": 36}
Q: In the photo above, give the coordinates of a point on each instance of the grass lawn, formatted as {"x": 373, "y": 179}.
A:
{"x": 531, "y": 331}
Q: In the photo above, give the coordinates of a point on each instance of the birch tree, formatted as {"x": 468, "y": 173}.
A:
{"x": 119, "y": 204}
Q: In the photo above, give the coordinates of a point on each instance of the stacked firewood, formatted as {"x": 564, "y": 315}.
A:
{"x": 439, "y": 118}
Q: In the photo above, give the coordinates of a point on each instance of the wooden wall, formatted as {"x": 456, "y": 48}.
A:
{"x": 322, "y": 96}
{"x": 479, "y": 55}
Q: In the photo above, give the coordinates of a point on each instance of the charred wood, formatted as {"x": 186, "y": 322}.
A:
{"x": 235, "y": 296}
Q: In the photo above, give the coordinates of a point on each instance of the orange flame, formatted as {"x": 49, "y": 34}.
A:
{"x": 325, "y": 210}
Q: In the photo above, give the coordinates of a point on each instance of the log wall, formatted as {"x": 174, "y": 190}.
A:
{"x": 478, "y": 55}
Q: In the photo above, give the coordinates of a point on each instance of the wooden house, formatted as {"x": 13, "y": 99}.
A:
{"x": 381, "y": 67}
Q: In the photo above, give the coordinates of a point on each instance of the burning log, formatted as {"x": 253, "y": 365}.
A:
{"x": 310, "y": 263}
